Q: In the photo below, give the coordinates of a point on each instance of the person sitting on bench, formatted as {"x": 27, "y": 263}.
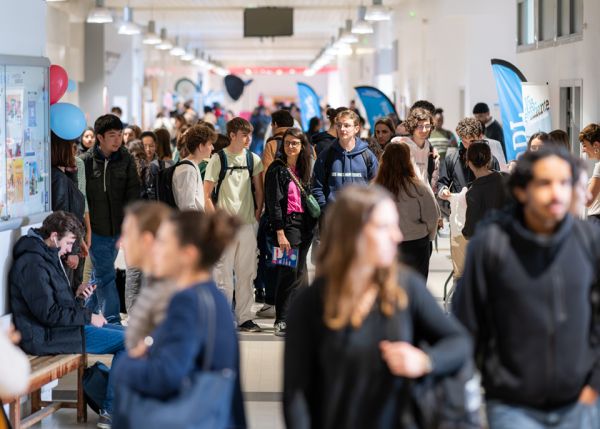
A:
{"x": 48, "y": 311}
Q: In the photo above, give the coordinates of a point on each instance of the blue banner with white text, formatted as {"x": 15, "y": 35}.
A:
{"x": 376, "y": 103}
{"x": 309, "y": 104}
{"x": 510, "y": 96}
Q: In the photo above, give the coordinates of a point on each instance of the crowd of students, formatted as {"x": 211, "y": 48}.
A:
{"x": 201, "y": 221}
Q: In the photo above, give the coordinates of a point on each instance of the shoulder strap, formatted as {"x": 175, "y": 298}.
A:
{"x": 368, "y": 161}
{"x": 206, "y": 304}
{"x": 250, "y": 162}
{"x": 222, "y": 171}
{"x": 296, "y": 181}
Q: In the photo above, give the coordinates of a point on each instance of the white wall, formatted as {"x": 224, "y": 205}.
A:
{"x": 445, "y": 46}
{"x": 18, "y": 39}
{"x": 126, "y": 78}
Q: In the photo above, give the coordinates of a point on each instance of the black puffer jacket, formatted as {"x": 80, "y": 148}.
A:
{"x": 43, "y": 305}
{"x": 111, "y": 183}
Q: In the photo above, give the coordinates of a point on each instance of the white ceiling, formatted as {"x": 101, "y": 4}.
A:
{"x": 216, "y": 27}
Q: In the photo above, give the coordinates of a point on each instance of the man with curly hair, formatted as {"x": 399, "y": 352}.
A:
{"x": 456, "y": 175}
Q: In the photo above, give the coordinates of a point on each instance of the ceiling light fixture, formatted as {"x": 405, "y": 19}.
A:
{"x": 378, "y": 12}
{"x": 346, "y": 35}
{"x": 361, "y": 26}
{"x": 151, "y": 38}
{"x": 177, "y": 51}
{"x": 165, "y": 45}
{"x": 128, "y": 27}
{"x": 99, "y": 14}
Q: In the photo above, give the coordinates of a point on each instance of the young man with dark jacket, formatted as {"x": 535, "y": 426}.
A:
{"x": 48, "y": 312}
{"x": 348, "y": 160}
{"x": 529, "y": 297}
{"x": 111, "y": 183}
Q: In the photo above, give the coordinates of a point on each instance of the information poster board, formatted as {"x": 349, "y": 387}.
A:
{"x": 24, "y": 138}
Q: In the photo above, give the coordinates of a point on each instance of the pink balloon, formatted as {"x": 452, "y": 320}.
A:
{"x": 59, "y": 82}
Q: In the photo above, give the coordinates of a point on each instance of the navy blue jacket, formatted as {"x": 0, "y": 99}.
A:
{"x": 43, "y": 304}
{"x": 347, "y": 168}
{"x": 178, "y": 350}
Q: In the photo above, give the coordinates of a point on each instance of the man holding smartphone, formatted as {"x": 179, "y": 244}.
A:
{"x": 50, "y": 315}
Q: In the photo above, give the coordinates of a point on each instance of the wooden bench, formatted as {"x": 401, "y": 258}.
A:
{"x": 45, "y": 369}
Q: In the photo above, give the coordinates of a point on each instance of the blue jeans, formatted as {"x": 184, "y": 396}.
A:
{"x": 106, "y": 298}
{"x": 109, "y": 339}
{"x": 575, "y": 416}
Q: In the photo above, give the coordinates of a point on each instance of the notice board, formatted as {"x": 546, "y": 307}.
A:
{"x": 24, "y": 141}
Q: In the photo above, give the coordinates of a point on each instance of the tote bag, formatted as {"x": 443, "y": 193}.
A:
{"x": 203, "y": 402}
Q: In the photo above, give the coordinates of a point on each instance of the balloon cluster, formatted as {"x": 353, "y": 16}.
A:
{"x": 67, "y": 121}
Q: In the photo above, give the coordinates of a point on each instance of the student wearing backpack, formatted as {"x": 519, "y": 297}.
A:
{"x": 424, "y": 157}
{"x": 188, "y": 188}
{"x": 529, "y": 297}
{"x": 234, "y": 174}
{"x": 347, "y": 161}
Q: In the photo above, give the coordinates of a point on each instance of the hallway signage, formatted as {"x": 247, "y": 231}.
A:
{"x": 510, "y": 95}
{"x": 536, "y": 108}
{"x": 375, "y": 102}
{"x": 309, "y": 104}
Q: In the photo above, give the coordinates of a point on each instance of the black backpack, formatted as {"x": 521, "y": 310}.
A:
{"x": 223, "y": 172}
{"x": 164, "y": 183}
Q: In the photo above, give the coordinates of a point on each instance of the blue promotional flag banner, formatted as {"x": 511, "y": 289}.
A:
{"x": 510, "y": 95}
{"x": 536, "y": 108}
{"x": 376, "y": 103}
{"x": 309, "y": 104}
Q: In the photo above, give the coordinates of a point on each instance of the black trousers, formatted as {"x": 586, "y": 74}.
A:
{"x": 299, "y": 232}
{"x": 416, "y": 254}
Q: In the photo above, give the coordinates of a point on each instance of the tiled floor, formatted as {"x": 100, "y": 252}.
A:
{"x": 261, "y": 364}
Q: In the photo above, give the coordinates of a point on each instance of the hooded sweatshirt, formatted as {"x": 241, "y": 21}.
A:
{"x": 346, "y": 168}
{"x": 526, "y": 299}
{"x": 45, "y": 310}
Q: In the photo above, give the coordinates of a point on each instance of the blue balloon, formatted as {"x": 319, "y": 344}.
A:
{"x": 72, "y": 86}
{"x": 67, "y": 121}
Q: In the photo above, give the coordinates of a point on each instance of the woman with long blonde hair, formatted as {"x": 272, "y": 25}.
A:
{"x": 351, "y": 337}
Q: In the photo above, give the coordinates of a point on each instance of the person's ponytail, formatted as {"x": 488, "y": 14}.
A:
{"x": 209, "y": 233}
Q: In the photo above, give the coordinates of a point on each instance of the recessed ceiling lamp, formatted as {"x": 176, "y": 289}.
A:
{"x": 128, "y": 27}
{"x": 361, "y": 26}
{"x": 378, "y": 12}
{"x": 165, "y": 45}
{"x": 99, "y": 14}
{"x": 151, "y": 38}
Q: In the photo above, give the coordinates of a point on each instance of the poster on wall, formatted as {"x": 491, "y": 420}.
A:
{"x": 536, "y": 108}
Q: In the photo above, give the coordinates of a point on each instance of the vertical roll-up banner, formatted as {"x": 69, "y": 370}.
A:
{"x": 510, "y": 95}
{"x": 309, "y": 104}
{"x": 536, "y": 108}
{"x": 376, "y": 103}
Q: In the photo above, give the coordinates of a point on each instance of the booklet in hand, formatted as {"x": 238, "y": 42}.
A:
{"x": 286, "y": 258}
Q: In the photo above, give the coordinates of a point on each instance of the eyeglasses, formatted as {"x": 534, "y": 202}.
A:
{"x": 425, "y": 127}
{"x": 293, "y": 143}
{"x": 345, "y": 125}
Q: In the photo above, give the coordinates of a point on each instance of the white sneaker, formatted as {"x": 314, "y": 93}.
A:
{"x": 266, "y": 312}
